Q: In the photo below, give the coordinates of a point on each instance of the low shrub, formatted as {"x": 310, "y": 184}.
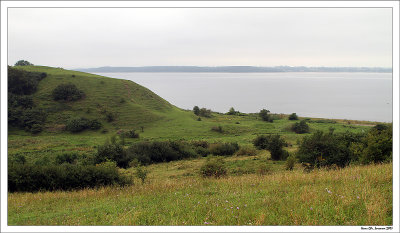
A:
{"x": 293, "y": 117}
{"x": 141, "y": 173}
{"x": 246, "y": 150}
{"x": 67, "y": 158}
{"x": 301, "y": 127}
{"x": 213, "y": 167}
{"x": 131, "y": 134}
{"x": 32, "y": 178}
{"x": 217, "y": 129}
{"x": 67, "y": 92}
{"x": 272, "y": 143}
{"x": 290, "y": 162}
{"x": 225, "y": 149}
{"x": 79, "y": 124}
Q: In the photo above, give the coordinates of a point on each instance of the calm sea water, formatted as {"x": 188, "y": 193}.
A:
{"x": 356, "y": 96}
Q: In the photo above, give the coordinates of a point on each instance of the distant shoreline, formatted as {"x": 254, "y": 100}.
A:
{"x": 233, "y": 69}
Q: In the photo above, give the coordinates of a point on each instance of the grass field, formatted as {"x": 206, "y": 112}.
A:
{"x": 350, "y": 196}
{"x": 175, "y": 193}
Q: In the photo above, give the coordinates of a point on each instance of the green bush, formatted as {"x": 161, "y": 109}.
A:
{"x": 80, "y": 124}
{"x": 131, "y": 134}
{"x": 141, "y": 173}
{"x": 217, "y": 129}
{"x": 205, "y": 112}
{"x": 376, "y": 147}
{"x": 247, "y": 150}
{"x": 21, "y": 82}
{"x": 156, "y": 152}
{"x": 226, "y": 149}
{"x": 112, "y": 152}
{"x": 293, "y": 117}
{"x": 290, "y": 162}
{"x": 31, "y": 178}
{"x": 326, "y": 149}
{"x": 301, "y": 127}
{"x": 272, "y": 143}
{"x": 196, "y": 110}
{"x": 67, "y": 92}
{"x": 67, "y": 158}
{"x": 213, "y": 167}
{"x": 23, "y": 63}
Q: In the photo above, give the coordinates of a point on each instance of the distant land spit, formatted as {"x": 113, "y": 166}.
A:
{"x": 234, "y": 69}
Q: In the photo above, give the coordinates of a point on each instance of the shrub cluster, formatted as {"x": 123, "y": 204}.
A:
{"x": 375, "y": 147}
{"x": 293, "y": 117}
{"x": 213, "y": 167}
{"x": 67, "y": 92}
{"x": 273, "y": 143}
{"x": 23, "y": 63}
{"x": 265, "y": 116}
{"x": 301, "y": 127}
{"x": 156, "y": 152}
{"x": 22, "y": 111}
{"x": 326, "y": 149}
{"x": 31, "y": 178}
{"x": 80, "y": 124}
{"x": 228, "y": 148}
{"x": 246, "y": 150}
{"x": 201, "y": 112}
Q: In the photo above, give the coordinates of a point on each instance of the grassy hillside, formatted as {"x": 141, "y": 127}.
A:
{"x": 255, "y": 191}
{"x": 135, "y": 106}
{"x": 360, "y": 195}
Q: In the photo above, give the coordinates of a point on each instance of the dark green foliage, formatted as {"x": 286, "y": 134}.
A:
{"x": 141, "y": 173}
{"x": 290, "y": 162}
{"x": 213, "y": 167}
{"x": 376, "y": 147}
{"x": 156, "y": 152}
{"x": 29, "y": 119}
{"x": 112, "y": 152}
{"x": 326, "y": 149}
{"x": 232, "y": 112}
{"x": 300, "y": 127}
{"x": 23, "y": 63}
{"x": 110, "y": 116}
{"x": 226, "y": 149}
{"x": 265, "y": 116}
{"x": 95, "y": 124}
{"x": 293, "y": 116}
{"x": 131, "y": 134}
{"x": 217, "y": 129}
{"x": 196, "y": 110}
{"x": 80, "y": 124}
{"x": 205, "y": 112}
{"x": 67, "y": 92}
{"x": 23, "y": 101}
{"x": 199, "y": 119}
{"x": 21, "y": 82}
{"x": 31, "y": 178}
{"x": 67, "y": 158}
{"x": 272, "y": 143}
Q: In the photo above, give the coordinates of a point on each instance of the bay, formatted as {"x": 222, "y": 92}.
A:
{"x": 336, "y": 95}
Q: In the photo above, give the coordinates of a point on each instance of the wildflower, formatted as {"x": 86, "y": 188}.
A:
{"x": 245, "y": 205}
{"x": 206, "y": 223}
{"x": 311, "y": 208}
{"x": 237, "y": 207}
{"x": 328, "y": 190}
{"x": 358, "y": 197}
{"x": 226, "y": 201}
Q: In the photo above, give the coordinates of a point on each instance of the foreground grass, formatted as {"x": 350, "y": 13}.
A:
{"x": 359, "y": 195}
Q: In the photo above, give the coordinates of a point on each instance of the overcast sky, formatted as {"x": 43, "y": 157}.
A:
{"x": 81, "y": 38}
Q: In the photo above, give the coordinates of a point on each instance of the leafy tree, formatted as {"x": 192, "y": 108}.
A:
{"x": 23, "y": 63}
{"x": 293, "y": 116}
{"x": 264, "y": 114}
{"x": 272, "y": 143}
{"x": 232, "y": 111}
{"x": 196, "y": 110}
{"x": 21, "y": 82}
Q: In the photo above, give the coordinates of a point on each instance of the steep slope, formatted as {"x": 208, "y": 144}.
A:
{"x": 131, "y": 105}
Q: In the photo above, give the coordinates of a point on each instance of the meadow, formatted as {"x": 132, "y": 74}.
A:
{"x": 255, "y": 191}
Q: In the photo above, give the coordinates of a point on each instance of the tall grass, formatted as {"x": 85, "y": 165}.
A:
{"x": 359, "y": 195}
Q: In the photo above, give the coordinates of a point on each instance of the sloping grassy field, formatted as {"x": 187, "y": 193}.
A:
{"x": 360, "y": 195}
{"x": 175, "y": 193}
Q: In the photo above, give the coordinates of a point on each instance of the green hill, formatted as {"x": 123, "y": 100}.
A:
{"x": 131, "y": 104}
